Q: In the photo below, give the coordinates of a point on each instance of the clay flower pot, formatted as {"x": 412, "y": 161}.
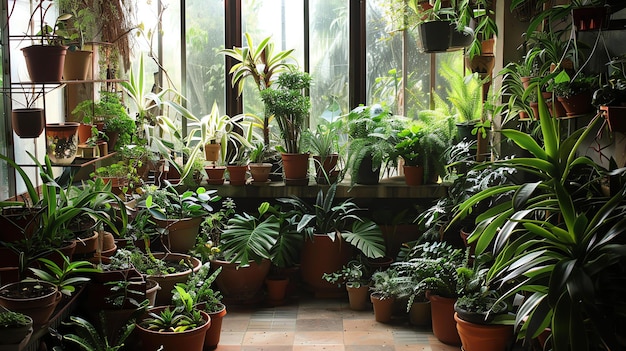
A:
{"x": 35, "y": 299}
{"x": 28, "y": 122}
{"x": 62, "y": 142}
{"x": 189, "y": 340}
{"x": 45, "y": 63}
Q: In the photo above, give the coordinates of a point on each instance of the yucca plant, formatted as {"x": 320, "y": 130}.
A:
{"x": 559, "y": 241}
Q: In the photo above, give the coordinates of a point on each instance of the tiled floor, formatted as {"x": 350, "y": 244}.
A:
{"x": 305, "y": 323}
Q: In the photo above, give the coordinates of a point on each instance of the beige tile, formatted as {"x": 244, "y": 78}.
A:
{"x": 365, "y": 325}
{"x": 235, "y": 324}
{"x": 318, "y": 338}
{"x": 319, "y": 347}
{"x": 379, "y": 337}
{"x": 273, "y": 338}
{"x": 231, "y": 338}
{"x": 319, "y": 325}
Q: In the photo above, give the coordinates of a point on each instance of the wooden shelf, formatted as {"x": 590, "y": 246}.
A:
{"x": 390, "y": 188}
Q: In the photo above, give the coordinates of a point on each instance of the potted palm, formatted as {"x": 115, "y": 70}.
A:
{"x": 327, "y": 224}
{"x": 290, "y": 106}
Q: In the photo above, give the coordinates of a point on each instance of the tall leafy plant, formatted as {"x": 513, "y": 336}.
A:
{"x": 559, "y": 240}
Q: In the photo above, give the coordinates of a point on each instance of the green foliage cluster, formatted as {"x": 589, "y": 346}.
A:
{"x": 13, "y": 319}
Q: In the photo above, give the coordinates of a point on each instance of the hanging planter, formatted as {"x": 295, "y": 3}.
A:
{"x": 590, "y": 18}
{"x": 434, "y": 36}
{"x": 28, "y": 122}
{"x": 45, "y": 63}
{"x": 62, "y": 142}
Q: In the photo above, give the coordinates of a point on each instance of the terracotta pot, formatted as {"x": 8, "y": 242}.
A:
{"x": 419, "y": 314}
{"x": 324, "y": 169}
{"x": 76, "y": 65}
{"x": 62, "y": 142}
{"x": 237, "y": 174}
{"x": 414, "y": 175}
{"x": 241, "y": 285}
{"x": 88, "y": 245}
{"x": 383, "y": 308}
{"x": 188, "y": 340}
{"x": 483, "y": 337}
{"x": 260, "y": 172}
{"x": 152, "y": 288}
{"x": 45, "y": 62}
{"x": 15, "y": 335}
{"x": 103, "y": 146}
{"x": 84, "y": 132}
{"x": 215, "y": 174}
{"x": 212, "y": 152}
{"x": 113, "y": 137}
{"x": 616, "y": 117}
{"x": 39, "y": 308}
{"x": 168, "y": 281}
{"x": 358, "y": 296}
{"x": 181, "y": 233}
{"x": 295, "y": 166}
{"x": 17, "y": 223}
{"x": 212, "y": 338}
{"x": 28, "y": 122}
{"x": 483, "y": 63}
{"x": 322, "y": 255}
{"x": 578, "y": 104}
{"x": 442, "y": 317}
{"x": 276, "y": 290}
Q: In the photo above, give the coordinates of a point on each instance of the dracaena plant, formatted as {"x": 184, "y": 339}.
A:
{"x": 558, "y": 240}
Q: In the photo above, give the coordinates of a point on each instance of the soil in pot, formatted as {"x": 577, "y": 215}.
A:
{"x": 34, "y": 299}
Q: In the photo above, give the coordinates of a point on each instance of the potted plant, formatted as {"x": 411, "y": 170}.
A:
{"x": 430, "y": 269}
{"x": 413, "y": 154}
{"x": 356, "y": 277}
{"x": 179, "y": 215}
{"x": 585, "y": 230}
{"x": 249, "y": 245}
{"x": 88, "y": 337}
{"x": 36, "y": 299}
{"x": 327, "y": 225}
{"x": 481, "y": 312}
{"x": 575, "y": 93}
{"x": 249, "y": 59}
{"x": 46, "y": 59}
{"x": 167, "y": 269}
{"x": 610, "y": 98}
{"x": 120, "y": 175}
{"x": 466, "y": 95}
{"x": 259, "y": 170}
{"x": 323, "y": 142}
{"x": 290, "y": 106}
{"x": 29, "y": 121}
{"x": 198, "y": 286}
{"x": 435, "y": 25}
{"x": 15, "y": 328}
{"x": 174, "y": 327}
{"x": 383, "y": 294}
{"x": 79, "y": 29}
{"x": 372, "y": 138}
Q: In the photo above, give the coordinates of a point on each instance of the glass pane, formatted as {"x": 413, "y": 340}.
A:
{"x": 329, "y": 53}
{"x": 385, "y": 51}
{"x": 4, "y": 174}
{"x": 205, "y": 66}
{"x": 285, "y": 28}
